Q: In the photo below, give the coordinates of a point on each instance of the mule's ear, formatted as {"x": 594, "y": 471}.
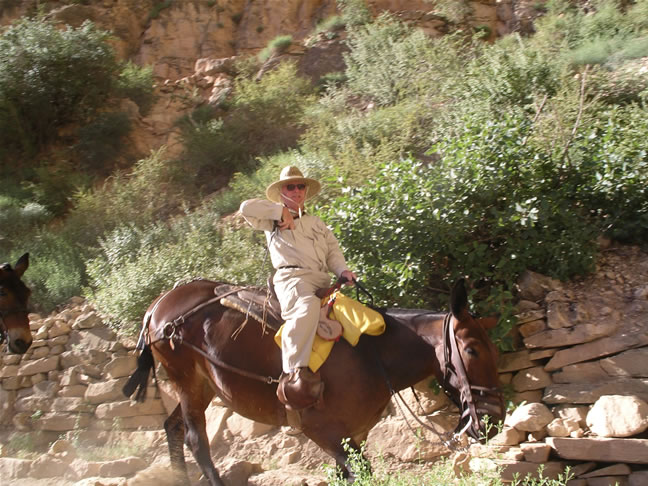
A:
{"x": 458, "y": 298}
{"x": 22, "y": 264}
{"x": 487, "y": 322}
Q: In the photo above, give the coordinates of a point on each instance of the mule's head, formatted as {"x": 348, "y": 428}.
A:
{"x": 476, "y": 390}
{"x": 14, "y": 294}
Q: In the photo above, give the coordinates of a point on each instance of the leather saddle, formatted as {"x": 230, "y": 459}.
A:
{"x": 262, "y": 304}
{"x": 259, "y": 302}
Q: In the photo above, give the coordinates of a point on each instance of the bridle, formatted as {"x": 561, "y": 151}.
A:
{"x": 473, "y": 399}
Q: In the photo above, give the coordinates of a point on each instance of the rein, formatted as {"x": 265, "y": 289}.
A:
{"x": 449, "y": 443}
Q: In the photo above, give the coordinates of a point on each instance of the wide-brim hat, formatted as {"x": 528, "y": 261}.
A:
{"x": 292, "y": 175}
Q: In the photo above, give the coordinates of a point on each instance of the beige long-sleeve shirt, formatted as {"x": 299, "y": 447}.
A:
{"x": 311, "y": 245}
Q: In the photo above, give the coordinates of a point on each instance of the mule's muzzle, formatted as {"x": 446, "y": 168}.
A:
{"x": 19, "y": 346}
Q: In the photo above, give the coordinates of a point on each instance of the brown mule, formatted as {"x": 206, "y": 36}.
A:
{"x": 191, "y": 334}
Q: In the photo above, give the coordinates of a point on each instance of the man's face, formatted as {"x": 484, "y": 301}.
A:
{"x": 294, "y": 195}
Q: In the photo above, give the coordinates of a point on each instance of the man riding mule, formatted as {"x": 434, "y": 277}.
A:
{"x": 210, "y": 349}
{"x": 303, "y": 251}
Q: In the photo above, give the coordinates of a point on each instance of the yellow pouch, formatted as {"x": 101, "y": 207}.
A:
{"x": 356, "y": 318}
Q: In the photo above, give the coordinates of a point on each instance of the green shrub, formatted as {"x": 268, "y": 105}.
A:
{"x": 18, "y": 220}
{"x": 48, "y": 78}
{"x": 385, "y": 60}
{"x": 56, "y": 269}
{"x": 100, "y": 141}
{"x": 264, "y": 117}
{"x": 137, "y": 83}
{"x": 276, "y": 46}
{"x": 354, "y": 12}
{"x": 491, "y": 208}
{"x": 135, "y": 265}
{"x": 154, "y": 189}
{"x": 53, "y": 182}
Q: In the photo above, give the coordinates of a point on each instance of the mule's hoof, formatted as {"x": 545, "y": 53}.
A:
{"x": 300, "y": 389}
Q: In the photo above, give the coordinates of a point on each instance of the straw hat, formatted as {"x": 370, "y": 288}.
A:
{"x": 292, "y": 175}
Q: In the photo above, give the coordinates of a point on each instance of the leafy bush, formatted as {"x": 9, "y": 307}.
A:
{"x": 275, "y": 46}
{"x": 18, "y": 220}
{"x": 100, "y": 141}
{"x": 48, "y": 78}
{"x": 491, "y": 208}
{"x": 135, "y": 265}
{"x": 384, "y": 62}
{"x": 136, "y": 82}
{"x": 264, "y": 117}
{"x": 56, "y": 269}
{"x": 354, "y": 12}
{"x": 154, "y": 189}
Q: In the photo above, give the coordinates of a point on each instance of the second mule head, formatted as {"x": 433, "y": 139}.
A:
{"x": 14, "y": 295}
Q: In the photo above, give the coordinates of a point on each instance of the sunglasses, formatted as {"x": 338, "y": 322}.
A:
{"x": 291, "y": 187}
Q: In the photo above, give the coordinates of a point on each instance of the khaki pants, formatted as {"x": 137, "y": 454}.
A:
{"x": 300, "y": 308}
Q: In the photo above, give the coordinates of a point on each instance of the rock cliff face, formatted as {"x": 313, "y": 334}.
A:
{"x": 175, "y": 37}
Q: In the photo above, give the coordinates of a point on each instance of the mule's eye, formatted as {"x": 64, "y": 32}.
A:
{"x": 471, "y": 351}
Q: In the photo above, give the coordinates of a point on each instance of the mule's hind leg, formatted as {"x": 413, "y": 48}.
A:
{"x": 193, "y": 412}
{"x": 175, "y": 432}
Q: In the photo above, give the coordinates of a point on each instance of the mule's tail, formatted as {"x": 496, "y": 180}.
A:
{"x": 139, "y": 379}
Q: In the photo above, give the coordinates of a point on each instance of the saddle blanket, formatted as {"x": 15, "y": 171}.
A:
{"x": 356, "y": 319}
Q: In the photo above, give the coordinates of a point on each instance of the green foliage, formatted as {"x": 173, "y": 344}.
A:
{"x": 384, "y": 62}
{"x": 455, "y": 11}
{"x": 440, "y": 472}
{"x": 53, "y": 181}
{"x": 18, "y": 220}
{"x": 135, "y": 265}
{"x": 606, "y": 36}
{"x": 275, "y": 47}
{"x": 152, "y": 190}
{"x": 49, "y": 77}
{"x": 100, "y": 141}
{"x": 136, "y": 82}
{"x": 489, "y": 209}
{"x": 331, "y": 24}
{"x": 510, "y": 73}
{"x": 354, "y": 12}
{"x": 264, "y": 117}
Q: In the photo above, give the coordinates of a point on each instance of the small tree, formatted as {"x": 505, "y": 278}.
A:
{"x": 50, "y": 77}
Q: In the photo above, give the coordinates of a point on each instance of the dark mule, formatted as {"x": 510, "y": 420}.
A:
{"x": 202, "y": 358}
{"x": 14, "y": 294}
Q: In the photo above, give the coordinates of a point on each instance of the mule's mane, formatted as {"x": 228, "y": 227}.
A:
{"x": 398, "y": 313}
{"x": 407, "y": 316}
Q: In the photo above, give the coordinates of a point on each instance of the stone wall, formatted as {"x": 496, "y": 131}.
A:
{"x": 581, "y": 375}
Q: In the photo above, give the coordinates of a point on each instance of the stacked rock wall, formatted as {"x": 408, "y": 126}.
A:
{"x": 580, "y": 378}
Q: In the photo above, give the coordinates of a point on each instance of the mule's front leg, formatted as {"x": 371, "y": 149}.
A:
{"x": 343, "y": 461}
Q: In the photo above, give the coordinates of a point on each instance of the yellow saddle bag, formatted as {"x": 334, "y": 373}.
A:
{"x": 356, "y": 319}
